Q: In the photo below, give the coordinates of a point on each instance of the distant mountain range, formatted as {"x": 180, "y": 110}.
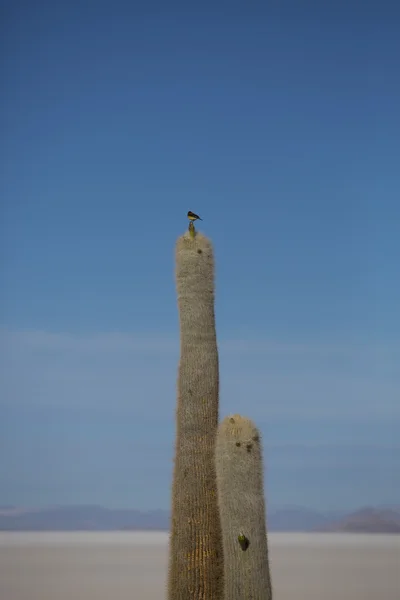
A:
{"x": 369, "y": 520}
{"x": 97, "y": 518}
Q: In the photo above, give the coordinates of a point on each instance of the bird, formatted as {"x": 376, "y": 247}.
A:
{"x": 193, "y": 217}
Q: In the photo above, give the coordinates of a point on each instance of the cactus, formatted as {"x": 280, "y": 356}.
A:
{"x": 192, "y": 230}
{"x": 241, "y": 503}
{"x": 195, "y": 559}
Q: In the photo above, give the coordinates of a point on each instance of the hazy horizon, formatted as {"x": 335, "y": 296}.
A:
{"x": 330, "y": 510}
{"x": 279, "y": 125}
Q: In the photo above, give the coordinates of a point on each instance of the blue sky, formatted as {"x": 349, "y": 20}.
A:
{"x": 280, "y": 126}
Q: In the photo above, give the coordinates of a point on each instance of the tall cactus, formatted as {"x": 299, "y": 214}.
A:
{"x": 195, "y": 561}
{"x": 242, "y": 510}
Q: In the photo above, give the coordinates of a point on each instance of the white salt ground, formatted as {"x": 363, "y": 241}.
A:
{"x": 127, "y": 565}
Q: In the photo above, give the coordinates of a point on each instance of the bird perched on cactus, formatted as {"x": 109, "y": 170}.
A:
{"x": 193, "y": 217}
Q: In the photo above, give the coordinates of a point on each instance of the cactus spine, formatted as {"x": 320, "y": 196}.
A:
{"x": 195, "y": 559}
{"x": 242, "y": 510}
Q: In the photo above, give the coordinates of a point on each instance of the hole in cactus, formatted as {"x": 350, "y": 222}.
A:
{"x": 244, "y": 542}
{"x": 199, "y": 251}
{"x": 238, "y": 444}
{"x": 249, "y": 447}
{"x": 231, "y": 420}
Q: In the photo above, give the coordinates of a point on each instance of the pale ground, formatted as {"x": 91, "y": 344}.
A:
{"x": 132, "y": 566}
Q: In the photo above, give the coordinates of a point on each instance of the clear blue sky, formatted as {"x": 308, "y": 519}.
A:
{"x": 277, "y": 122}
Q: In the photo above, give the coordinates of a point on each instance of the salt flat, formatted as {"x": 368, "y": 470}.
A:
{"x": 132, "y": 566}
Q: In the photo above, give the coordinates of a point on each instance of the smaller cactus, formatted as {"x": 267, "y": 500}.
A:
{"x": 242, "y": 510}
